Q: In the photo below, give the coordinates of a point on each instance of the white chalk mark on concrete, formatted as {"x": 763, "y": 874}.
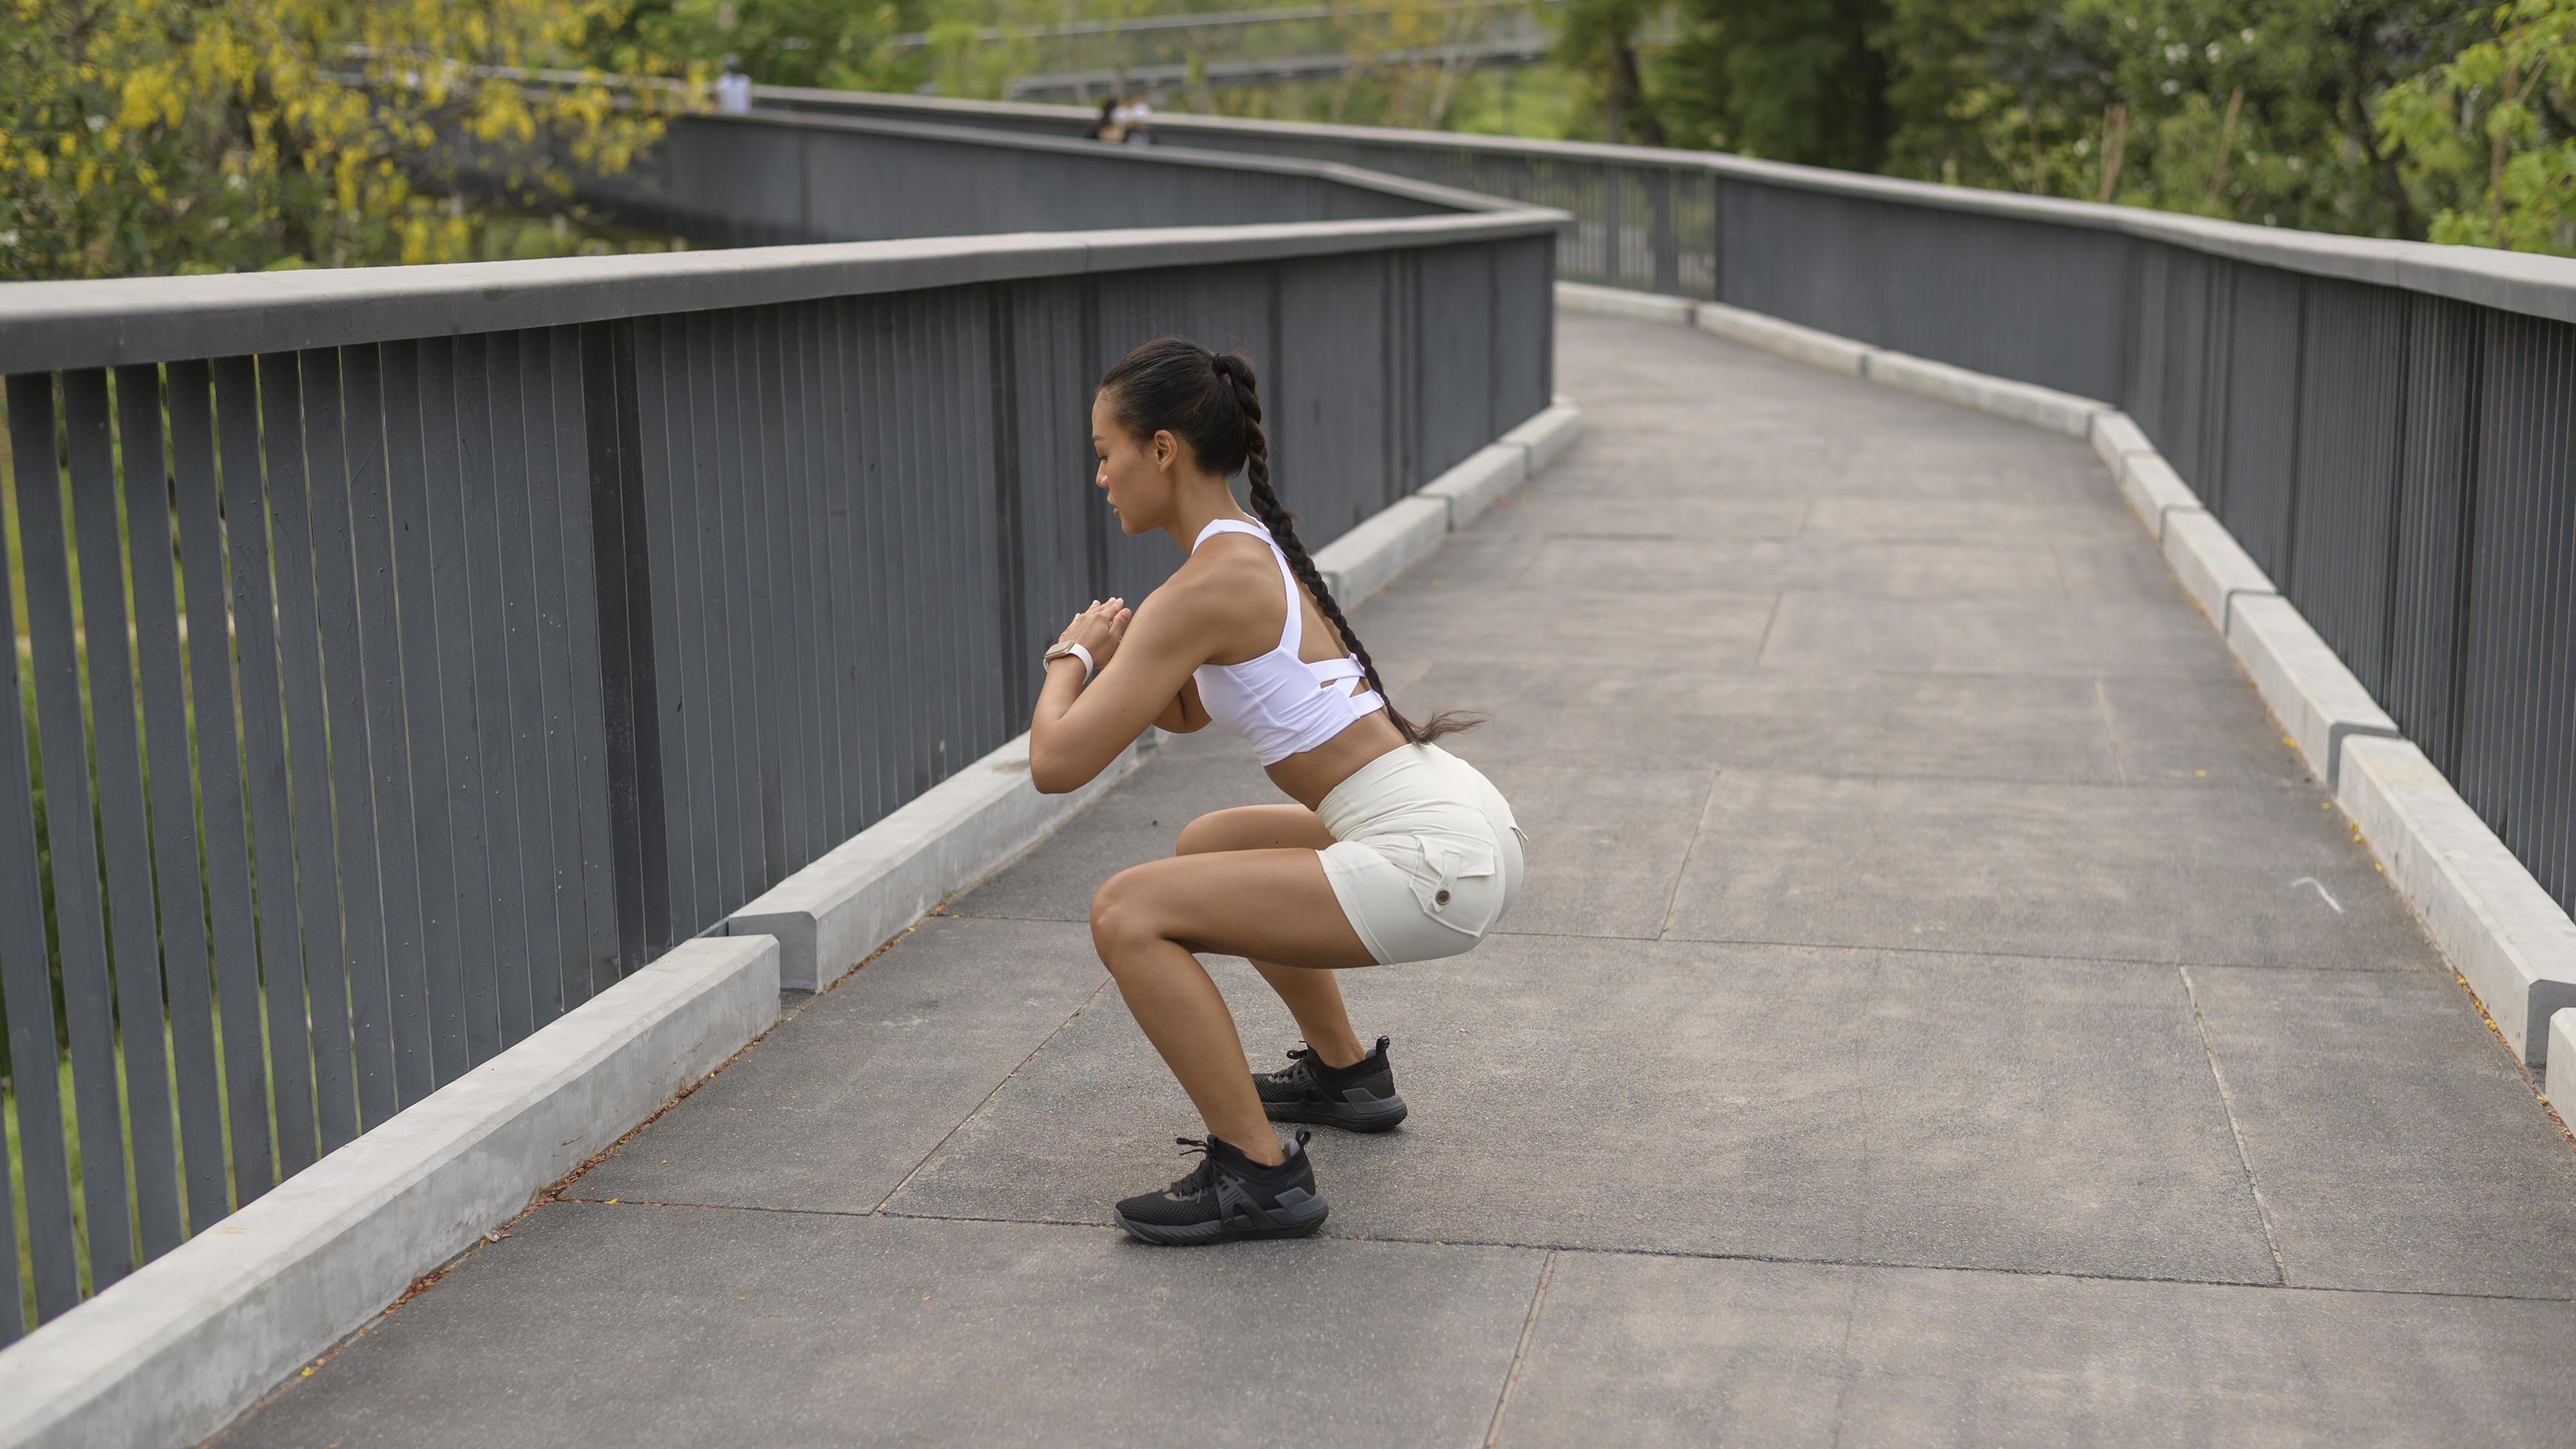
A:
{"x": 2309, "y": 880}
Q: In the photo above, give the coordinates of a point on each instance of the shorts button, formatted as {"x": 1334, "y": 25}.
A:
{"x": 1441, "y": 899}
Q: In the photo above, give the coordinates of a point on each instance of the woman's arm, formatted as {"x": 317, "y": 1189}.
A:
{"x": 1184, "y": 715}
{"x": 1145, "y": 658}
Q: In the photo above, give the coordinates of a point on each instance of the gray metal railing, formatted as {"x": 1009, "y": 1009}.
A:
{"x": 2388, "y": 427}
{"x": 777, "y": 178}
{"x": 451, "y": 640}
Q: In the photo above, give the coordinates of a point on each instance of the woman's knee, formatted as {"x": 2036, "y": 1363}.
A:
{"x": 1119, "y": 915}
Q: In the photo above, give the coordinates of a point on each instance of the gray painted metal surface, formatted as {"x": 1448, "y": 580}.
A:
{"x": 454, "y": 640}
{"x": 2388, "y": 427}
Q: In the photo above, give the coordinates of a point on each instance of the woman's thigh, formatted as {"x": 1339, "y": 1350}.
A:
{"x": 1264, "y": 903}
{"x": 1254, "y": 827}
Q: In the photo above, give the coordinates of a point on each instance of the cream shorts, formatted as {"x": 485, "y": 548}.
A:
{"x": 1426, "y": 856}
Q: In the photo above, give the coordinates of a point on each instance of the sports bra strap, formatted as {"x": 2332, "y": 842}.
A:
{"x": 1293, "y": 633}
{"x": 1326, "y": 671}
{"x": 1230, "y": 525}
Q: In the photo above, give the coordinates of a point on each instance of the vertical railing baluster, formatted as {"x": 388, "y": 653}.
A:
{"x": 479, "y": 440}
{"x": 582, "y": 637}
{"x": 705, "y": 583}
{"x": 44, "y": 1159}
{"x": 342, "y": 458}
{"x": 550, "y": 471}
{"x": 123, "y": 814}
{"x": 672, "y": 693}
{"x": 448, "y": 614}
{"x": 383, "y": 428}
{"x": 80, "y": 922}
{"x": 234, "y": 975}
{"x": 272, "y": 986}
{"x": 622, "y": 628}
{"x": 402, "y": 644}
{"x": 522, "y": 675}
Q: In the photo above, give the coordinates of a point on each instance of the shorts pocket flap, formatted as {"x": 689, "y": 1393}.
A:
{"x": 1447, "y": 860}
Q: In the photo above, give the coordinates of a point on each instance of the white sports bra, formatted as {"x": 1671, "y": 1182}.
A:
{"x": 1281, "y": 703}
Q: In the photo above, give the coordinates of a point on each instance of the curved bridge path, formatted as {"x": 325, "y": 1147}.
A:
{"x": 1942, "y": 1011}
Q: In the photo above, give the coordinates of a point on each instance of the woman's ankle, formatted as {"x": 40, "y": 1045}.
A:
{"x": 1278, "y": 1150}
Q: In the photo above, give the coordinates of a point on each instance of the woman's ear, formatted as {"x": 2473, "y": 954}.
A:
{"x": 1167, "y": 449}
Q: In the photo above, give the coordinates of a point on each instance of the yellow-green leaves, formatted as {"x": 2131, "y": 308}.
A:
{"x": 163, "y": 136}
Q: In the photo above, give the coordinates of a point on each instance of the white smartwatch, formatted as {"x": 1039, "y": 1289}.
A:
{"x": 1058, "y": 651}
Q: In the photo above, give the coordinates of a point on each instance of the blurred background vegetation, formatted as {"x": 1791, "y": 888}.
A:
{"x": 160, "y": 136}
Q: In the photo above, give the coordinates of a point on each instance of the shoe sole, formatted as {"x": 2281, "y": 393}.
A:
{"x": 1199, "y": 1235}
{"x": 1349, "y": 1116}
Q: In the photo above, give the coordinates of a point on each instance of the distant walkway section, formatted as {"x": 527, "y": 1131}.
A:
{"x": 1943, "y": 1010}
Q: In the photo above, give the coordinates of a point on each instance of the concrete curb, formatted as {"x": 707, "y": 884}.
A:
{"x": 2059, "y": 412}
{"x": 2115, "y": 436}
{"x": 2560, "y": 1085}
{"x": 174, "y": 1352}
{"x": 1618, "y": 302}
{"x": 2154, "y": 490}
{"x": 2297, "y": 673}
{"x": 1788, "y": 339}
{"x": 2503, "y": 933}
{"x": 1490, "y": 474}
{"x": 1362, "y": 561}
{"x": 2214, "y": 568}
{"x": 834, "y": 913}
{"x": 1545, "y": 434}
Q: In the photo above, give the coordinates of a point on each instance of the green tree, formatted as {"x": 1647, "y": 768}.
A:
{"x": 1598, "y": 39}
{"x": 166, "y": 136}
{"x": 2264, "y": 114}
{"x": 841, "y": 44}
{"x": 2487, "y": 140}
{"x": 1998, "y": 93}
{"x": 1787, "y": 80}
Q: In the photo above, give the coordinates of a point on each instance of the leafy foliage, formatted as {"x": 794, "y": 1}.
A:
{"x": 175, "y": 136}
{"x": 2489, "y": 139}
{"x": 2409, "y": 118}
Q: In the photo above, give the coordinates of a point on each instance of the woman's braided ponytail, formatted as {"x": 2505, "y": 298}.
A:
{"x": 1223, "y": 427}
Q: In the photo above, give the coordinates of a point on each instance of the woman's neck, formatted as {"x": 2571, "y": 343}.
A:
{"x": 1198, "y": 512}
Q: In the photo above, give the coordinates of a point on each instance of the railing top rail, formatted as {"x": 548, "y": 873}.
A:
{"x": 2540, "y": 286}
{"x": 1334, "y": 171}
{"x": 48, "y": 326}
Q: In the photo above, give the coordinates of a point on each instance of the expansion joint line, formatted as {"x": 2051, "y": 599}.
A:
{"x": 1699, "y": 827}
{"x": 2227, "y": 1102}
{"x": 987, "y": 1099}
{"x": 1520, "y": 1353}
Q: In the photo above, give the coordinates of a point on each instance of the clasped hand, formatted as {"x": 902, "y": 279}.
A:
{"x": 1098, "y": 629}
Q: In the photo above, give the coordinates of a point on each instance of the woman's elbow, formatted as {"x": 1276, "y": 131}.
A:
{"x": 1053, "y": 776}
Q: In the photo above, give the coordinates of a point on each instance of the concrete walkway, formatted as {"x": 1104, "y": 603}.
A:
{"x": 1942, "y": 1011}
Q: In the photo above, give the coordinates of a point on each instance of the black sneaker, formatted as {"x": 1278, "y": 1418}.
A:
{"x": 1229, "y": 1197}
{"x": 1360, "y": 1097}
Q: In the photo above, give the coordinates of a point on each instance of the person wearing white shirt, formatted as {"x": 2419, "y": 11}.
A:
{"x": 733, "y": 91}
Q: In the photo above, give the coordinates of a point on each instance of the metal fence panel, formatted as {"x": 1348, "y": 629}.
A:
{"x": 516, "y": 655}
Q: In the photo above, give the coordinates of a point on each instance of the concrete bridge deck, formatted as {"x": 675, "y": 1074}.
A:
{"x": 1942, "y": 1010}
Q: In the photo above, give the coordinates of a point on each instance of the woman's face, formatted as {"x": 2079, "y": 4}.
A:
{"x": 1136, "y": 473}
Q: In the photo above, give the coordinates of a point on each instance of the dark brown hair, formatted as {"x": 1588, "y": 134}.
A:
{"x": 1211, "y": 403}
